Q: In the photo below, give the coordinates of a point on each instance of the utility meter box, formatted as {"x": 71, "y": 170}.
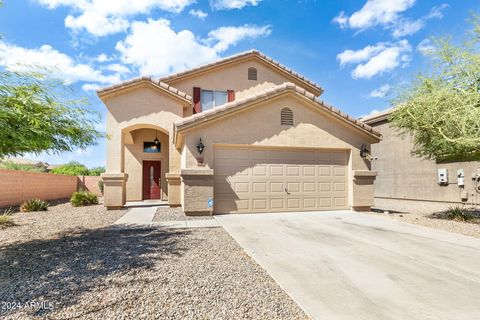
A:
{"x": 442, "y": 176}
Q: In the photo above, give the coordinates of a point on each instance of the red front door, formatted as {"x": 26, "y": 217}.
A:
{"x": 151, "y": 179}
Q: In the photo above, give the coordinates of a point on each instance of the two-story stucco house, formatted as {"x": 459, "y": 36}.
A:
{"x": 242, "y": 134}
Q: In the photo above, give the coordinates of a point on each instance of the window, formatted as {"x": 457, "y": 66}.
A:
{"x": 286, "y": 117}
{"x": 252, "y": 74}
{"x": 211, "y": 99}
{"x": 151, "y": 147}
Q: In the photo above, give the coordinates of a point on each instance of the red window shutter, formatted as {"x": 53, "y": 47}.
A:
{"x": 197, "y": 105}
{"x": 230, "y": 95}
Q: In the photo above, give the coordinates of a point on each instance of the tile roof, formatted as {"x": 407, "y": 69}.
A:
{"x": 218, "y": 111}
{"x": 238, "y": 56}
{"x": 376, "y": 117}
{"x": 131, "y": 82}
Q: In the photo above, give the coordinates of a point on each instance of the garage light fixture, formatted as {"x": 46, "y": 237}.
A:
{"x": 200, "y": 146}
{"x": 364, "y": 152}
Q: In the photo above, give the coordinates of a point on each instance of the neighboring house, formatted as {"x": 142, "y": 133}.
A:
{"x": 243, "y": 134}
{"x": 408, "y": 183}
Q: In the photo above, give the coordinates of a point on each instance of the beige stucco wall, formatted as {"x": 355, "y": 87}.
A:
{"x": 234, "y": 77}
{"x": 404, "y": 177}
{"x": 142, "y": 107}
{"x": 260, "y": 126}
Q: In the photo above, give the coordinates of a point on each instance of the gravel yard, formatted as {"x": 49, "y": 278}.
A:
{"x": 175, "y": 214}
{"x": 60, "y": 217}
{"x": 99, "y": 272}
{"x": 437, "y": 222}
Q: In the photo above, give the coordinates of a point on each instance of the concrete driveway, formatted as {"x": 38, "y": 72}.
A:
{"x": 345, "y": 265}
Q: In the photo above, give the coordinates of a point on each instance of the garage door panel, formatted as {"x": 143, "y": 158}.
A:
{"x": 309, "y": 186}
{"x": 277, "y": 170}
{"x": 259, "y": 170}
{"x": 259, "y": 204}
{"x": 309, "y": 203}
{"x": 294, "y": 203}
{"x": 277, "y": 203}
{"x": 293, "y": 187}
{"x": 260, "y": 180}
{"x": 259, "y": 187}
{"x": 241, "y": 187}
{"x": 293, "y": 171}
{"x": 277, "y": 187}
{"x": 339, "y": 186}
{"x": 339, "y": 171}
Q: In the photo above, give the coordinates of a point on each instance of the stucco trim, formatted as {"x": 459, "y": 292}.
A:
{"x": 206, "y": 117}
{"x": 252, "y": 54}
{"x": 145, "y": 81}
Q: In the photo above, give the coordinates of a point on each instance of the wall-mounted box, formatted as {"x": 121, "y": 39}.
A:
{"x": 442, "y": 176}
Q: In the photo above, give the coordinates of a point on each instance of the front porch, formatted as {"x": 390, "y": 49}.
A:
{"x": 146, "y": 159}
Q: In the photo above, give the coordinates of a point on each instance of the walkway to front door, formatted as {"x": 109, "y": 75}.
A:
{"x": 151, "y": 179}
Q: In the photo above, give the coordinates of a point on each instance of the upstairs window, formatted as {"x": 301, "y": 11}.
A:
{"x": 211, "y": 99}
{"x": 252, "y": 73}
{"x": 286, "y": 117}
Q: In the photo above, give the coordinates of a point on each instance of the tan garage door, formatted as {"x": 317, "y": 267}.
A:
{"x": 260, "y": 180}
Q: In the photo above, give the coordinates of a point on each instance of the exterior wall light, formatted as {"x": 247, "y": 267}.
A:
{"x": 156, "y": 141}
{"x": 200, "y": 146}
{"x": 364, "y": 152}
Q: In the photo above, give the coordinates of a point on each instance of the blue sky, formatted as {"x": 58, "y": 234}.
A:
{"x": 359, "y": 51}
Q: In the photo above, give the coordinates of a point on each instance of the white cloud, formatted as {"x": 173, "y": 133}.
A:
{"x": 91, "y": 87}
{"x": 377, "y": 59}
{"x": 405, "y": 27}
{"x": 224, "y": 37}
{"x": 101, "y": 18}
{"x": 350, "y": 56}
{"x": 232, "y": 4}
{"x": 198, "y": 13}
{"x": 116, "y": 67}
{"x": 371, "y": 113}
{"x": 97, "y": 24}
{"x": 374, "y": 12}
{"x": 381, "y": 92}
{"x": 388, "y": 14}
{"x": 171, "y": 51}
{"x": 102, "y": 58}
{"x": 425, "y": 47}
{"x": 15, "y": 58}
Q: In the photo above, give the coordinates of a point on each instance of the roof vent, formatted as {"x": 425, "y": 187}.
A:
{"x": 252, "y": 73}
{"x": 286, "y": 117}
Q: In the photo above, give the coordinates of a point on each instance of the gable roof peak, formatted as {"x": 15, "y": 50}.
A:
{"x": 312, "y": 86}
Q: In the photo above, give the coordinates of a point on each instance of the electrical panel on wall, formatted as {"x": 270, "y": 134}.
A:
{"x": 442, "y": 176}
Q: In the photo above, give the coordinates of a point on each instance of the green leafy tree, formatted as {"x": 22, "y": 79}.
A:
{"x": 441, "y": 110}
{"x": 38, "y": 114}
{"x": 96, "y": 171}
{"x": 73, "y": 168}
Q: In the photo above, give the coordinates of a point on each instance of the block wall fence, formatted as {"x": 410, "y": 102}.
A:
{"x": 17, "y": 186}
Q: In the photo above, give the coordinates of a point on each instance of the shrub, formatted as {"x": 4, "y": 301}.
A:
{"x": 5, "y": 220}
{"x": 83, "y": 198}
{"x": 96, "y": 171}
{"x": 34, "y": 205}
{"x": 458, "y": 213}
{"x": 72, "y": 168}
{"x": 100, "y": 185}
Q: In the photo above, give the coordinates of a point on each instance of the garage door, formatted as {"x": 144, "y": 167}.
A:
{"x": 260, "y": 180}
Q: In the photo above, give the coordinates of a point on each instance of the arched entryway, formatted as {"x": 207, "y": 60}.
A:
{"x": 146, "y": 161}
